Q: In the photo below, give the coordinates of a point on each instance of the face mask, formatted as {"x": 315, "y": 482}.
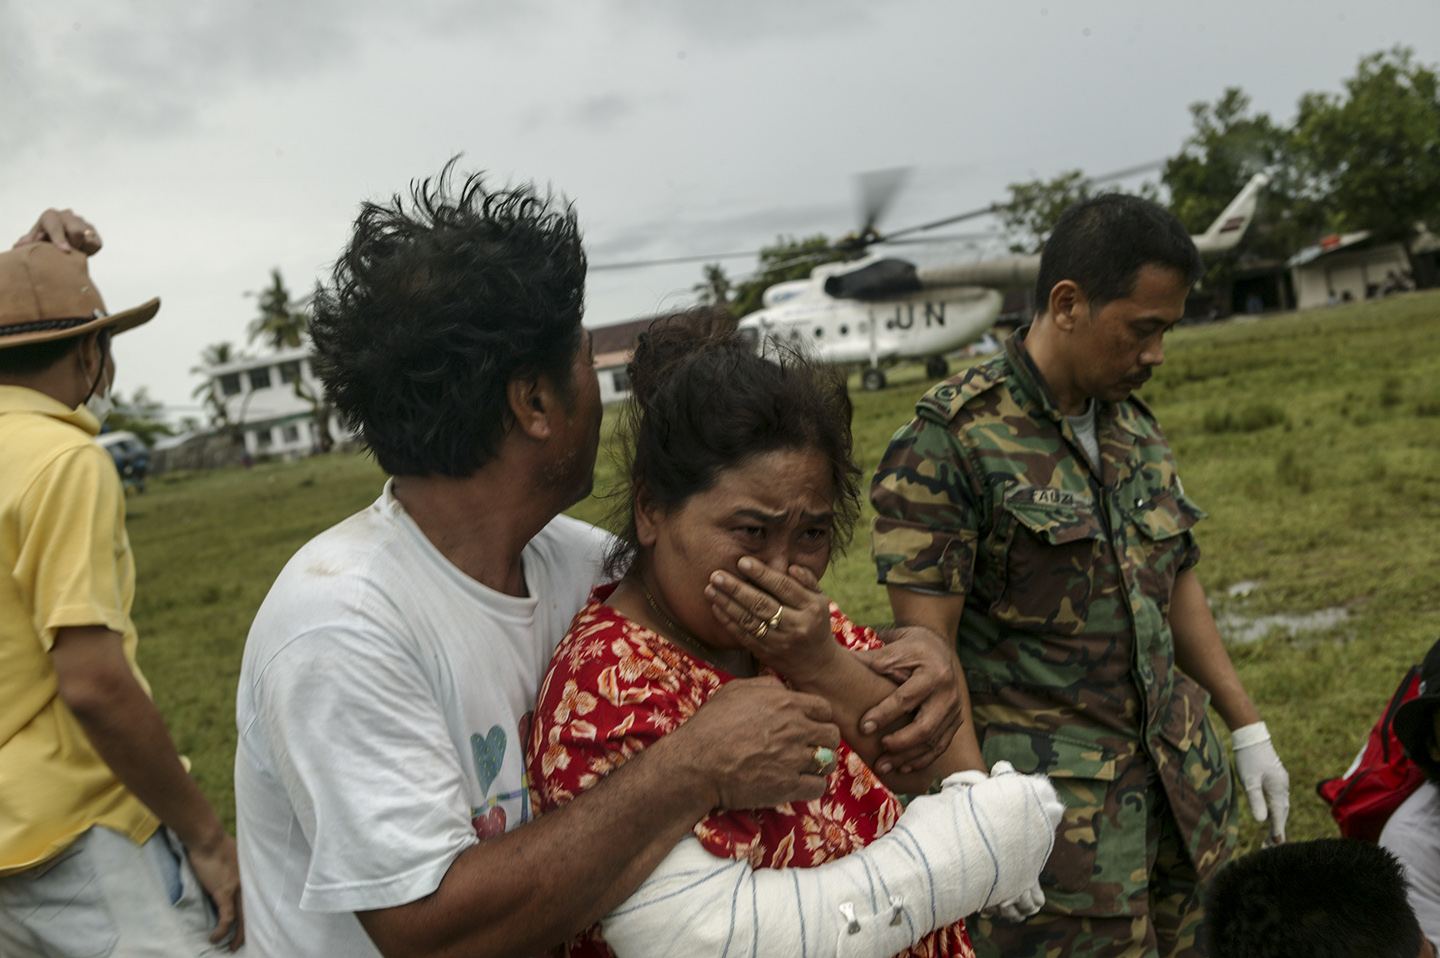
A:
{"x": 100, "y": 405}
{"x": 99, "y": 402}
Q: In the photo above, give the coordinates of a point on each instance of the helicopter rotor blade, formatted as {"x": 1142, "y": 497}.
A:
{"x": 875, "y": 191}
{"x": 813, "y": 256}
{"x": 1126, "y": 173}
{"x": 976, "y": 237}
{"x": 935, "y": 224}
{"x": 705, "y": 258}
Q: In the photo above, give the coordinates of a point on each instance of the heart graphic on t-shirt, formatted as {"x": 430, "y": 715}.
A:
{"x": 489, "y": 751}
{"x": 490, "y": 825}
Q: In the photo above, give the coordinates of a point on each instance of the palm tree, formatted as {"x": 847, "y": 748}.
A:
{"x": 281, "y": 323}
{"x": 208, "y": 392}
{"x": 714, "y": 289}
{"x": 286, "y": 324}
{"x": 320, "y": 410}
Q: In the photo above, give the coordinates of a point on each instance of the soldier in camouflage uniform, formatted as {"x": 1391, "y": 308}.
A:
{"x": 1032, "y": 509}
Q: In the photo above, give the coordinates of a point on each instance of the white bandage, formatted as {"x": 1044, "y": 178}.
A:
{"x": 979, "y": 843}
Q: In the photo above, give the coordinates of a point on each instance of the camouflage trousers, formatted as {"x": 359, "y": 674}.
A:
{"x": 1166, "y": 926}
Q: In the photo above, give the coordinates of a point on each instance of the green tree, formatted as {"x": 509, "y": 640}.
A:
{"x": 786, "y": 259}
{"x": 1030, "y": 213}
{"x": 1229, "y": 145}
{"x": 714, "y": 289}
{"x": 285, "y": 323}
{"x": 1372, "y": 153}
{"x": 320, "y": 412}
{"x": 141, "y": 415}
{"x": 281, "y": 323}
{"x": 208, "y": 392}
{"x": 1035, "y": 206}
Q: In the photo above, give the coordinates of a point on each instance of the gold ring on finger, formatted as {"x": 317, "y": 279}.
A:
{"x": 774, "y": 622}
{"x": 761, "y": 629}
{"x": 826, "y": 761}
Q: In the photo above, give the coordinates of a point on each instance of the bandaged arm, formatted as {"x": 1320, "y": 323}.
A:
{"x": 978, "y": 844}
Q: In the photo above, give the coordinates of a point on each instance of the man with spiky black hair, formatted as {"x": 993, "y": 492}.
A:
{"x": 387, "y": 681}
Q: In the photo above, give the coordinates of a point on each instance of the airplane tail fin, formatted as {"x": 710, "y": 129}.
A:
{"x": 1231, "y": 224}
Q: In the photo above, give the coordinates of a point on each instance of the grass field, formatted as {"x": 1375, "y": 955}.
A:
{"x": 1313, "y": 441}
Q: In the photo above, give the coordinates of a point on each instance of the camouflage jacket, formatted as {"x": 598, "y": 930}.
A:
{"x": 1064, "y": 638}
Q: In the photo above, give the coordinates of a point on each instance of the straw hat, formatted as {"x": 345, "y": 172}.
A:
{"x": 46, "y": 293}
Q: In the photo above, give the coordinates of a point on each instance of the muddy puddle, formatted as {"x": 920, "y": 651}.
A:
{"x": 1237, "y": 625}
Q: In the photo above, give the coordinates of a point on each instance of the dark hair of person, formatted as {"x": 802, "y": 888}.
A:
{"x": 34, "y": 358}
{"x": 435, "y": 306}
{"x": 1333, "y": 897}
{"x": 1101, "y": 244}
{"x": 703, "y": 401}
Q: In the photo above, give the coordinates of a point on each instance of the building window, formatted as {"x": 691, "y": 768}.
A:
{"x": 819, "y": 331}
{"x": 289, "y": 372}
{"x": 620, "y": 381}
{"x": 262, "y": 439}
{"x": 260, "y": 378}
{"x": 844, "y": 330}
{"x": 291, "y": 433}
{"x": 230, "y": 383}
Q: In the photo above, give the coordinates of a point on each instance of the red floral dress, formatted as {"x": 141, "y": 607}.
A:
{"x": 615, "y": 687}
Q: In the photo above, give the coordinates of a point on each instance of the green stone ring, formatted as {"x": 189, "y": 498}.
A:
{"x": 826, "y": 761}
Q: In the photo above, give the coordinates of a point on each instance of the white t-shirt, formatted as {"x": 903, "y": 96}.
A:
{"x": 1413, "y": 835}
{"x": 1083, "y": 426}
{"x": 383, "y": 707}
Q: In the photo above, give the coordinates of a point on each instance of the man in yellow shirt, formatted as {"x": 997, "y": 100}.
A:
{"x": 107, "y": 846}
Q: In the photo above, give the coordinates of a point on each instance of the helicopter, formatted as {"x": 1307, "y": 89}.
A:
{"x": 880, "y": 309}
{"x": 874, "y": 310}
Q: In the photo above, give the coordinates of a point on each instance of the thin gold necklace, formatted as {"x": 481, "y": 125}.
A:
{"x": 670, "y": 624}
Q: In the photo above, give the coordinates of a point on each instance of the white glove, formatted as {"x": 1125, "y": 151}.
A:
{"x": 1020, "y": 907}
{"x": 1264, "y": 779}
{"x": 982, "y": 841}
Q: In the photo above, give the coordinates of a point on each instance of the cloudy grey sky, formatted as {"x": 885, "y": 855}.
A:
{"x": 212, "y": 141}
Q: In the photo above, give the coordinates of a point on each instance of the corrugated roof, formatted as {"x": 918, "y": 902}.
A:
{"x": 620, "y": 338}
{"x": 1326, "y": 246}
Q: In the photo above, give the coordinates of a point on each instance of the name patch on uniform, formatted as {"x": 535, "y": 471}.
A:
{"x": 1043, "y": 496}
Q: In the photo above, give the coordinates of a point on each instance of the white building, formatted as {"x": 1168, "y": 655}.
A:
{"x": 613, "y": 346}
{"x": 260, "y": 396}
{"x": 1357, "y": 266}
{"x": 1346, "y": 267}
{"x": 610, "y": 370}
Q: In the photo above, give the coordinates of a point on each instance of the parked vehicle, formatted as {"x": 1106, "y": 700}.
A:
{"x": 131, "y": 456}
